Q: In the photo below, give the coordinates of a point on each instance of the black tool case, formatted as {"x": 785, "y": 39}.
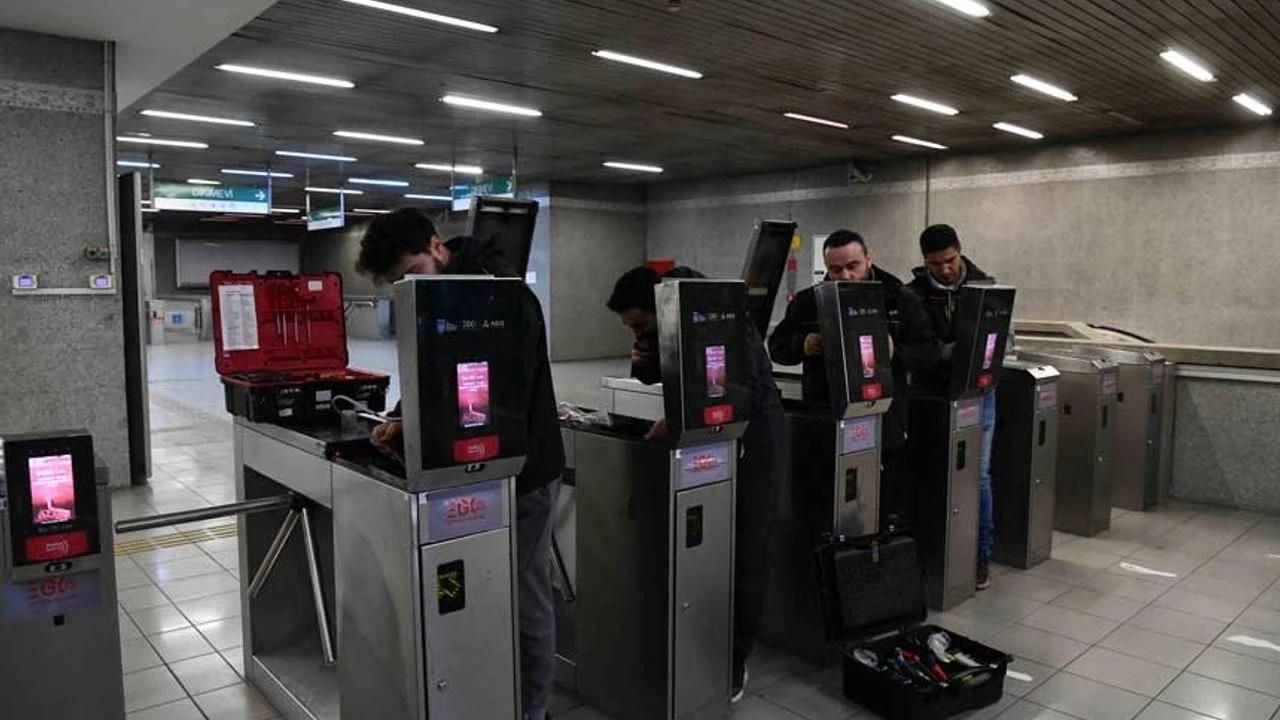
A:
{"x": 873, "y": 599}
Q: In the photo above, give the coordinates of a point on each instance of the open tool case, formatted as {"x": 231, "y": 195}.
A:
{"x": 873, "y": 603}
{"x": 281, "y": 347}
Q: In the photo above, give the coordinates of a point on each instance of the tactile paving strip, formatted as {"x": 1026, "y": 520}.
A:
{"x": 177, "y": 538}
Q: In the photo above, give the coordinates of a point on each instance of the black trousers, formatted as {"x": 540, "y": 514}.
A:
{"x": 762, "y": 466}
{"x": 897, "y": 489}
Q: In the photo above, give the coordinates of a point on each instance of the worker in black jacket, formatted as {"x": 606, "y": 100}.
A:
{"x": 798, "y": 340}
{"x": 405, "y": 243}
{"x": 937, "y": 283}
{"x": 761, "y": 465}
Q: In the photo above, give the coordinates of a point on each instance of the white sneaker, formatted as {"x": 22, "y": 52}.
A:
{"x": 741, "y": 691}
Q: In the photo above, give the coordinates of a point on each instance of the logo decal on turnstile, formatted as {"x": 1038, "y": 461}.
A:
{"x": 1108, "y": 382}
{"x": 56, "y": 547}
{"x": 468, "y": 450}
{"x": 872, "y": 391}
{"x": 463, "y": 510}
{"x": 52, "y": 596}
{"x": 717, "y": 414}
{"x": 969, "y": 413}
{"x": 1048, "y": 397}
{"x": 858, "y": 434}
{"x": 702, "y": 465}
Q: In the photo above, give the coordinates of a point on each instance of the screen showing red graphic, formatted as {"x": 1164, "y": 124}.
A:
{"x": 715, "y": 371}
{"x": 53, "y": 489}
{"x": 989, "y": 356}
{"x": 867, "y": 345}
{"x": 473, "y": 394}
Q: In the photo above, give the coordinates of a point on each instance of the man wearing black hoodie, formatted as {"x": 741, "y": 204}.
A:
{"x": 937, "y": 283}
{"x": 403, "y": 243}
{"x": 797, "y": 340}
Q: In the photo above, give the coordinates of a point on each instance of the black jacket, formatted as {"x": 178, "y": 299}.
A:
{"x": 545, "y": 459}
{"x": 916, "y": 347}
{"x": 940, "y": 305}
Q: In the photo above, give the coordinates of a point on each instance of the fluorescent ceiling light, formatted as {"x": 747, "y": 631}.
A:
{"x": 491, "y": 106}
{"x": 460, "y": 169}
{"x": 145, "y": 202}
{"x": 1044, "y": 87}
{"x": 917, "y": 141}
{"x": 416, "y": 196}
{"x": 968, "y": 7}
{"x": 374, "y": 181}
{"x": 201, "y": 181}
{"x": 925, "y": 104}
{"x": 334, "y": 191}
{"x": 196, "y": 118}
{"x": 1018, "y": 130}
{"x": 1187, "y": 65}
{"x": 137, "y": 164}
{"x": 818, "y": 120}
{"x": 159, "y": 141}
{"x": 378, "y": 138}
{"x": 283, "y": 75}
{"x": 255, "y": 173}
{"x": 315, "y": 156}
{"x": 150, "y": 210}
{"x": 370, "y": 211}
{"x": 650, "y": 64}
{"x": 285, "y": 211}
{"x": 424, "y": 15}
{"x": 1253, "y": 104}
{"x": 633, "y": 166}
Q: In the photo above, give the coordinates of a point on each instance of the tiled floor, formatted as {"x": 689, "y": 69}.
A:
{"x": 1171, "y": 615}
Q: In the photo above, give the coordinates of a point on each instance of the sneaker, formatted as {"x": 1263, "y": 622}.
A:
{"x": 740, "y": 685}
{"x": 984, "y": 575}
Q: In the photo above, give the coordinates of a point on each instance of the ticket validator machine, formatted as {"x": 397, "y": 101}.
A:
{"x": 59, "y": 636}
{"x": 834, "y": 483}
{"x": 945, "y": 441}
{"x": 646, "y": 633}
{"x": 425, "y": 561}
{"x": 1024, "y": 460}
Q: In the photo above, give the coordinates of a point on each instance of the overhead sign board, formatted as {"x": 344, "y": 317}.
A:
{"x": 328, "y": 216}
{"x": 212, "y": 198}
{"x": 493, "y": 187}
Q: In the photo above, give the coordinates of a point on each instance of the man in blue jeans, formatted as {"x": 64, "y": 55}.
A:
{"x": 938, "y": 283}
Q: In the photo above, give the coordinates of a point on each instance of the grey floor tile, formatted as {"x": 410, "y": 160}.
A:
{"x": 1126, "y": 672}
{"x": 1032, "y": 587}
{"x": 1202, "y": 605}
{"x": 214, "y": 607}
{"x": 1270, "y": 598}
{"x": 141, "y": 598}
{"x": 131, "y": 577}
{"x": 149, "y": 688}
{"x": 1219, "y": 588}
{"x": 1151, "y": 645}
{"x": 971, "y": 626}
{"x": 182, "y": 568}
{"x": 1126, "y": 587}
{"x": 1218, "y": 699}
{"x": 128, "y": 630}
{"x": 1247, "y": 641}
{"x": 1064, "y": 571}
{"x": 1179, "y": 624}
{"x": 1083, "y": 553}
{"x": 1170, "y": 561}
{"x": 1164, "y": 711}
{"x": 1087, "y": 699}
{"x": 1260, "y": 618}
{"x": 156, "y": 620}
{"x": 1039, "y": 646}
{"x": 223, "y": 634}
{"x": 204, "y": 673}
{"x": 1108, "y": 542}
{"x": 769, "y": 665}
{"x": 586, "y": 712}
{"x": 1111, "y": 607}
{"x": 182, "y": 709}
{"x": 200, "y": 586}
{"x": 1069, "y": 623}
{"x": 168, "y": 554}
{"x": 236, "y": 702}
{"x": 235, "y": 658}
{"x": 229, "y": 559}
{"x": 220, "y": 545}
{"x": 181, "y": 644}
{"x": 1005, "y": 702}
{"x": 809, "y": 698}
{"x": 137, "y": 654}
{"x": 997, "y": 607}
{"x": 1026, "y": 675}
{"x": 1239, "y": 670}
{"x": 1023, "y": 710}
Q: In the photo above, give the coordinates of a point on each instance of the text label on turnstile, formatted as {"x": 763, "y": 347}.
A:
{"x": 51, "y": 596}
{"x": 1048, "y": 397}
{"x": 463, "y": 511}
{"x": 1109, "y": 382}
{"x": 858, "y": 434}
{"x": 703, "y": 464}
{"x": 968, "y": 413}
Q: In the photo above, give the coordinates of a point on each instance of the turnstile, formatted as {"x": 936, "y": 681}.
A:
{"x": 1135, "y": 483}
{"x": 1086, "y": 396}
{"x": 1024, "y": 463}
{"x": 833, "y": 488}
{"x": 945, "y": 445}
{"x": 59, "y": 635}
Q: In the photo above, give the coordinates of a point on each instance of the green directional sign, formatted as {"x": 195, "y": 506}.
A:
{"x": 493, "y": 187}
{"x": 327, "y": 217}
{"x": 212, "y": 198}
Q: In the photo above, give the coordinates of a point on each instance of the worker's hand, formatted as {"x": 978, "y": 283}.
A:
{"x": 389, "y": 436}
{"x": 642, "y": 355}
{"x": 948, "y": 349}
{"x": 658, "y": 431}
{"x": 813, "y": 345}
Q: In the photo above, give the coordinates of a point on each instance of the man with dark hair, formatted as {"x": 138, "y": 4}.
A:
{"x": 761, "y": 464}
{"x": 403, "y": 243}
{"x": 797, "y": 340}
{"x": 937, "y": 284}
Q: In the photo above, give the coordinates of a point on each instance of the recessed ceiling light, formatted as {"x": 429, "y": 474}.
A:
{"x": 818, "y": 120}
{"x": 370, "y": 211}
{"x": 150, "y": 210}
{"x": 1018, "y": 130}
{"x": 1254, "y": 104}
{"x": 417, "y": 196}
{"x": 968, "y": 7}
{"x": 284, "y": 75}
{"x": 201, "y": 181}
{"x": 1044, "y": 87}
{"x": 917, "y": 141}
{"x": 650, "y": 64}
{"x": 285, "y": 211}
{"x": 196, "y": 118}
{"x": 255, "y": 173}
{"x": 137, "y": 164}
{"x": 145, "y": 202}
{"x": 489, "y": 105}
{"x": 334, "y": 191}
{"x": 925, "y": 104}
{"x": 375, "y": 181}
{"x": 633, "y": 166}
{"x": 460, "y": 169}
{"x": 424, "y": 15}
{"x": 1187, "y": 65}
{"x": 159, "y": 141}
{"x": 315, "y": 156}
{"x": 378, "y": 138}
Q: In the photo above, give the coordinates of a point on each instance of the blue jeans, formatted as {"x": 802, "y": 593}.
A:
{"x": 986, "y": 520}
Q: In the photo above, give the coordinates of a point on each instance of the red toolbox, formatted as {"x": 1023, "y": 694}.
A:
{"x": 281, "y": 347}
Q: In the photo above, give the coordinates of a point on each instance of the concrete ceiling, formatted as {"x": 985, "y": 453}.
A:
{"x": 154, "y": 38}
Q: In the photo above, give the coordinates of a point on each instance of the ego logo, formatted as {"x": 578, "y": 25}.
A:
{"x": 465, "y": 508}
{"x": 703, "y": 462}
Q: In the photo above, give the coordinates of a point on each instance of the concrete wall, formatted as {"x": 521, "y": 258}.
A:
{"x": 63, "y": 355}
{"x": 1166, "y": 235}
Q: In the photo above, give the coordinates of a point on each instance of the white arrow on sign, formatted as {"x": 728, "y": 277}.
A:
{"x": 261, "y": 195}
